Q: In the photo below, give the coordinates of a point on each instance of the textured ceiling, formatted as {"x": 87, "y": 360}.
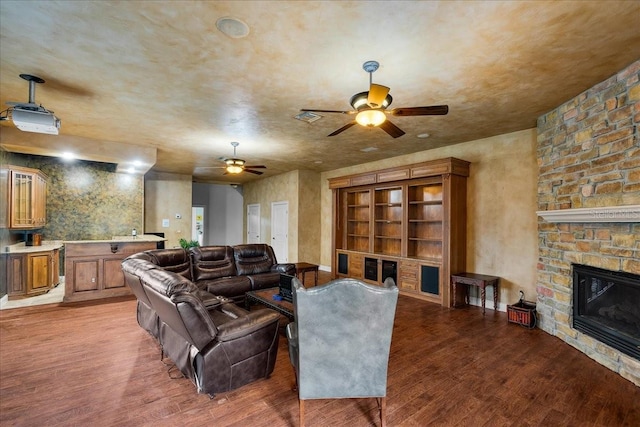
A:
{"x": 158, "y": 74}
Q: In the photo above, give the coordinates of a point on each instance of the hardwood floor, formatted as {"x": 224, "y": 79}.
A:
{"x": 91, "y": 364}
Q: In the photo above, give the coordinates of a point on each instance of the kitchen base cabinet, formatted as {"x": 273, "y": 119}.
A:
{"x": 93, "y": 269}
{"x": 33, "y": 273}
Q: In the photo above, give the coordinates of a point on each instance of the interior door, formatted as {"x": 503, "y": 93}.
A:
{"x": 253, "y": 223}
{"x": 197, "y": 224}
{"x": 279, "y": 230}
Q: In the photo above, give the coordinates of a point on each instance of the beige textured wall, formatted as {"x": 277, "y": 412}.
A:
{"x": 309, "y": 217}
{"x": 279, "y": 188}
{"x": 501, "y": 203}
{"x": 165, "y": 195}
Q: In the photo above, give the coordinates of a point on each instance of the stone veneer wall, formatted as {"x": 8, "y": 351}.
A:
{"x": 589, "y": 156}
{"x": 86, "y": 200}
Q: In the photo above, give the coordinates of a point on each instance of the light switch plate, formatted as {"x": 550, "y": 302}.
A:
{"x": 165, "y": 223}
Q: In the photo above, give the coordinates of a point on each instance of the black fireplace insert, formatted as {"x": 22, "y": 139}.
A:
{"x": 606, "y": 306}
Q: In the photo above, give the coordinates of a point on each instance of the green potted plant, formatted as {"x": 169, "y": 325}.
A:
{"x": 186, "y": 244}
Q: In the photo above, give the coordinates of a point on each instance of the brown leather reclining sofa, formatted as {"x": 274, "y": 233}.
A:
{"x": 215, "y": 343}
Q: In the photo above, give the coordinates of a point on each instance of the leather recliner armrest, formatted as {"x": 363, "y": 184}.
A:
{"x": 210, "y": 300}
{"x": 286, "y": 268}
{"x": 247, "y": 324}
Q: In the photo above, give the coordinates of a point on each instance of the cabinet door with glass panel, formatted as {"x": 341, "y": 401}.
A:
{"x": 28, "y": 192}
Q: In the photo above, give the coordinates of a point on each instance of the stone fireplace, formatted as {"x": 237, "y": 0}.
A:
{"x": 606, "y": 306}
{"x": 589, "y": 204}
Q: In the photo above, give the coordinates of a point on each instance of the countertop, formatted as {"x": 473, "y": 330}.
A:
{"x": 49, "y": 245}
{"x": 122, "y": 239}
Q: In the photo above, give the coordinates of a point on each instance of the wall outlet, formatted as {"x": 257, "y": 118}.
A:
{"x": 165, "y": 223}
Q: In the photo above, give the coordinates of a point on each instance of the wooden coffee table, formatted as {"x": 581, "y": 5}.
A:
{"x": 265, "y": 297}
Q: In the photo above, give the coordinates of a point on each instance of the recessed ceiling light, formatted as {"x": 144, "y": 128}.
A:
{"x": 232, "y": 27}
{"x": 423, "y": 135}
{"x": 368, "y": 149}
{"x": 317, "y": 162}
{"x": 67, "y": 155}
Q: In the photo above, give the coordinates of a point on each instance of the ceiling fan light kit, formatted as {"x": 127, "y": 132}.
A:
{"x": 371, "y": 118}
{"x": 371, "y": 107}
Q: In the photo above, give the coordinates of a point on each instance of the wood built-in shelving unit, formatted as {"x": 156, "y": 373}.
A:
{"x": 425, "y": 221}
{"x": 388, "y": 221}
{"x": 358, "y": 220}
{"x": 408, "y": 222}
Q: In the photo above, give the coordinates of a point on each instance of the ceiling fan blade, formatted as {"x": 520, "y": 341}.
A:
{"x": 328, "y": 111}
{"x": 377, "y": 94}
{"x": 434, "y": 110}
{"x": 391, "y": 129}
{"x": 254, "y": 172}
{"x": 255, "y": 167}
{"x": 343, "y": 128}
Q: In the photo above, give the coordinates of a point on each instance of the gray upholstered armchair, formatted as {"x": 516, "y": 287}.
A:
{"x": 339, "y": 343}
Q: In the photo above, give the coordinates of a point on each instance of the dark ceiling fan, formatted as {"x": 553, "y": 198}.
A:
{"x": 234, "y": 165}
{"x": 370, "y": 107}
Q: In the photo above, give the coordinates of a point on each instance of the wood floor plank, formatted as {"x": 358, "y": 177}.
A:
{"x": 91, "y": 364}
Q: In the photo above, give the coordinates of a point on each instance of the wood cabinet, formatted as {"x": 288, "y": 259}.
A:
{"x": 33, "y": 273}
{"x": 410, "y": 220}
{"x": 27, "y": 198}
{"x": 93, "y": 270}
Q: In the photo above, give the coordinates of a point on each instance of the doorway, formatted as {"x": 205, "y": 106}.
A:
{"x": 279, "y": 230}
{"x": 197, "y": 224}
{"x": 253, "y": 223}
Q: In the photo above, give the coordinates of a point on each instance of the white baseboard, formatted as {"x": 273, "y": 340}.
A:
{"x": 4, "y": 300}
{"x": 476, "y": 301}
{"x": 325, "y": 268}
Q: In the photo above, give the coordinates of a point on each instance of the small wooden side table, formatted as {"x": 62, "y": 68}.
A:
{"x": 303, "y": 267}
{"x": 479, "y": 280}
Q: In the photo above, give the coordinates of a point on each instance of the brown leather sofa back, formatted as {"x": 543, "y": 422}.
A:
{"x": 145, "y": 314}
{"x": 174, "y": 299}
{"x": 212, "y": 262}
{"x": 253, "y": 258}
{"x": 175, "y": 260}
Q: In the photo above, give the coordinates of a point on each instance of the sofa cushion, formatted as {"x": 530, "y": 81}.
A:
{"x": 212, "y": 262}
{"x": 232, "y": 287}
{"x": 253, "y": 258}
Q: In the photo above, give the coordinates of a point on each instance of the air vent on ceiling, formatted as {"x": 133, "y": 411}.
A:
{"x": 307, "y": 116}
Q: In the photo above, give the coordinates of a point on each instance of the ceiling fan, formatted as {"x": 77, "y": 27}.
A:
{"x": 234, "y": 165}
{"x": 370, "y": 107}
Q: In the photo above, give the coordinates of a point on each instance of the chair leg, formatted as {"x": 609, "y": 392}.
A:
{"x": 295, "y": 380}
{"x": 382, "y": 407}
{"x": 301, "y": 412}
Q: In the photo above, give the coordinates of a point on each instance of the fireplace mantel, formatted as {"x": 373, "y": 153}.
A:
{"x": 629, "y": 213}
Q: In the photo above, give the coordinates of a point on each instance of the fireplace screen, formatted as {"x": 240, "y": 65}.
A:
{"x": 606, "y": 306}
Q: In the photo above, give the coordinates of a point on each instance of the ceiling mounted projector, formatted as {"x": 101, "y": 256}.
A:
{"x": 39, "y": 121}
{"x": 31, "y": 117}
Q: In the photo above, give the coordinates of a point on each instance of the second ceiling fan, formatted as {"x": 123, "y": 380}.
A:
{"x": 370, "y": 107}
